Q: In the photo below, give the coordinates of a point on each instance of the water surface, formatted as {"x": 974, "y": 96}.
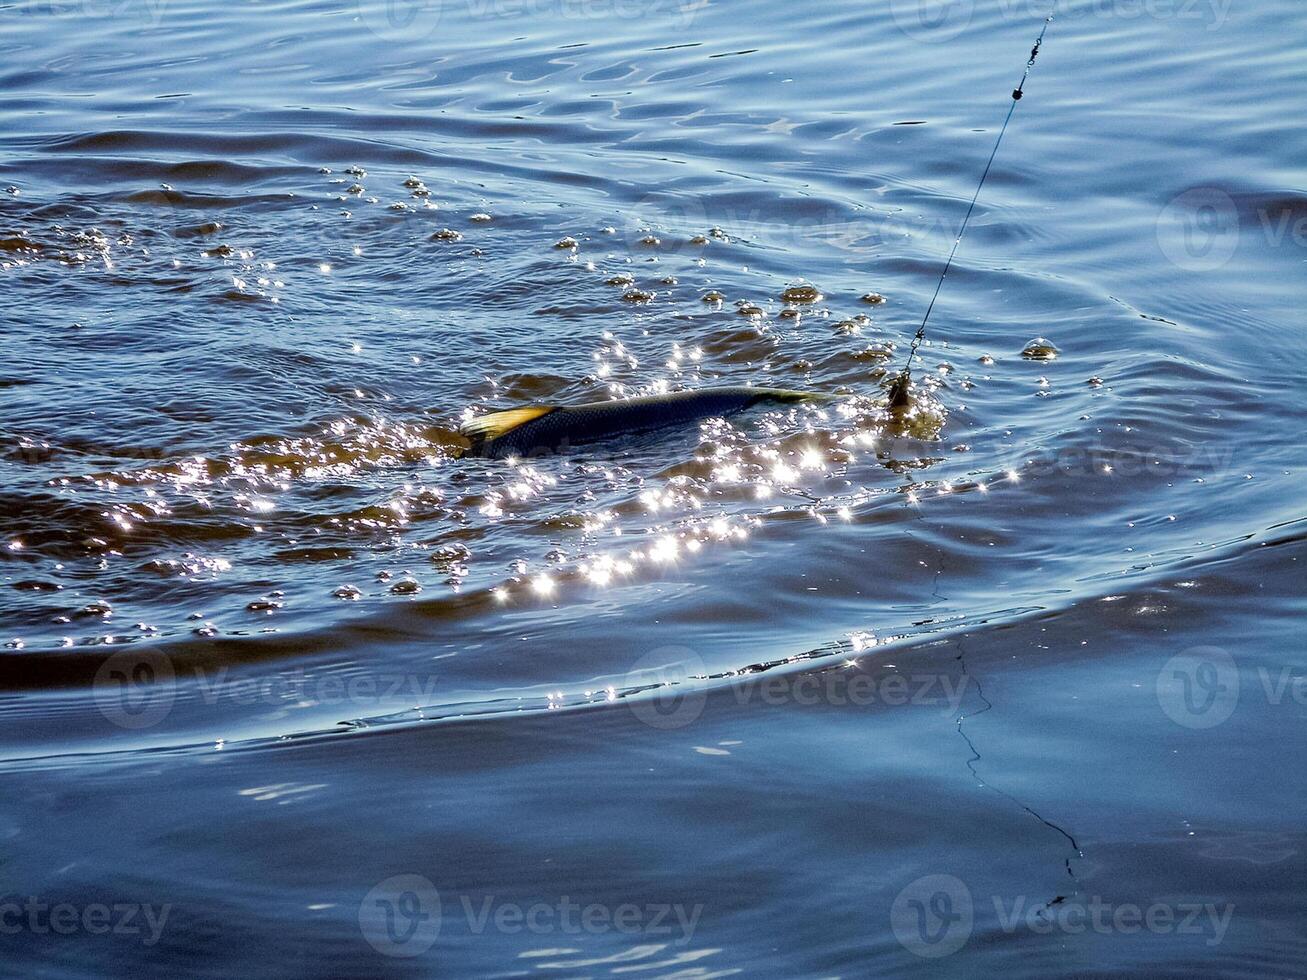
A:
{"x": 793, "y": 694}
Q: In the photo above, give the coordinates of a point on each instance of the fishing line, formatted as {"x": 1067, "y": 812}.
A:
{"x": 898, "y": 396}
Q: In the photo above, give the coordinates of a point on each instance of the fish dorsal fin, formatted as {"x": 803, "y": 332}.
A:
{"x": 496, "y": 424}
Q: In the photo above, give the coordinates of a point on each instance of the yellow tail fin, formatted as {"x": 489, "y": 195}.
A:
{"x": 495, "y": 424}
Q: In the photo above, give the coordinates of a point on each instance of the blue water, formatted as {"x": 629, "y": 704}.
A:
{"x": 290, "y": 689}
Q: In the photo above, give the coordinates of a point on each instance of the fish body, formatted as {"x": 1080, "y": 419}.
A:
{"x": 540, "y": 429}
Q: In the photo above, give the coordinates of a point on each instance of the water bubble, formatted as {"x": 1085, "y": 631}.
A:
{"x": 1040, "y": 349}
{"x": 802, "y": 293}
{"x": 451, "y": 553}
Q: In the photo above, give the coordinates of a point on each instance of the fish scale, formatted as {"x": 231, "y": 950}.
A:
{"x": 557, "y": 428}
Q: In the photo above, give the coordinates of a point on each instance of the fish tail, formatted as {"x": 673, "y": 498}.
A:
{"x": 495, "y": 425}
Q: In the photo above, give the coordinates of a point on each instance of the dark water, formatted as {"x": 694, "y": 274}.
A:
{"x": 290, "y": 690}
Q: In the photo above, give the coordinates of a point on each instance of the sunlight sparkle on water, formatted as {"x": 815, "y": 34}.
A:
{"x": 665, "y": 550}
{"x": 783, "y": 472}
{"x": 812, "y": 459}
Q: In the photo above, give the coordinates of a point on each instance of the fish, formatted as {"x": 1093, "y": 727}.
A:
{"x": 534, "y": 430}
